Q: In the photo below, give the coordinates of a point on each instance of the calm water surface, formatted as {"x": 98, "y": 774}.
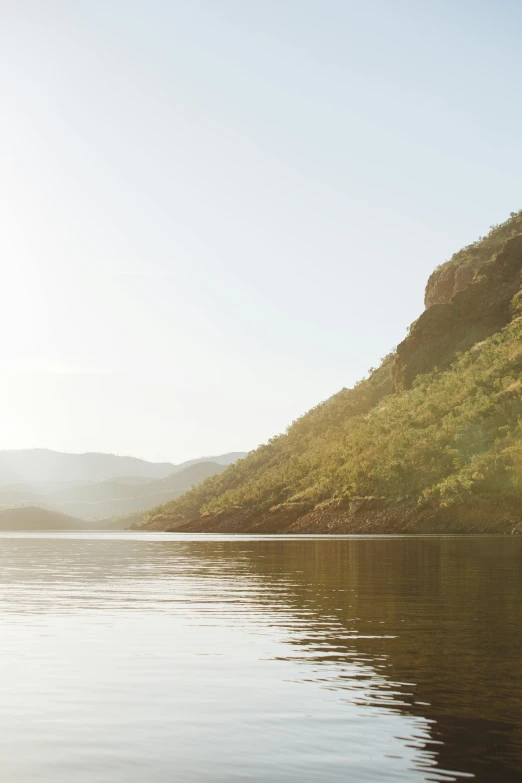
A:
{"x": 131, "y": 658}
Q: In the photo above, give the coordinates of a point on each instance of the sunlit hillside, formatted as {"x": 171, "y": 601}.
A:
{"x": 437, "y": 426}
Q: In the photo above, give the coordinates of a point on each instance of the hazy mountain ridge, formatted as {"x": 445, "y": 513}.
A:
{"x": 26, "y": 466}
{"x": 122, "y": 498}
{"x": 40, "y": 465}
{"x": 106, "y": 499}
{"x": 431, "y": 440}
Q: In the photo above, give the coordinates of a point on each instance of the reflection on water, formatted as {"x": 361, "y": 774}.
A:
{"x": 127, "y": 658}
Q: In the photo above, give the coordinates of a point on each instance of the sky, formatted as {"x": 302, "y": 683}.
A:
{"x": 214, "y": 214}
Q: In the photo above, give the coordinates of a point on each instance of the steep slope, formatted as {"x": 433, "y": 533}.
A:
{"x": 431, "y": 440}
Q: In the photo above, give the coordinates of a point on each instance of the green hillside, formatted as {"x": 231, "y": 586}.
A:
{"x": 435, "y": 431}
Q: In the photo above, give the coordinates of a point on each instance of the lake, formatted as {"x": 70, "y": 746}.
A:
{"x": 129, "y": 657}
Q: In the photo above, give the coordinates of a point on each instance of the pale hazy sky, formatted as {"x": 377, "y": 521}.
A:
{"x": 217, "y": 213}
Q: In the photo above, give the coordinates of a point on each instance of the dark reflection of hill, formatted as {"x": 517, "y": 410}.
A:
{"x": 443, "y": 615}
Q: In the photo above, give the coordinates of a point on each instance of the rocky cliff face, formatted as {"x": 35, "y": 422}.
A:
{"x": 446, "y": 281}
{"x": 474, "y": 311}
{"x": 459, "y": 272}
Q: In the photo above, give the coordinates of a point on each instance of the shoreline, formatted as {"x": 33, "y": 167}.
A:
{"x": 360, "y": 517}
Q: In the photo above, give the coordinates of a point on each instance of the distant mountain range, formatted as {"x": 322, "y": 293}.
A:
{"x": 92, "y": 487}
{"x": 31, "y": 466}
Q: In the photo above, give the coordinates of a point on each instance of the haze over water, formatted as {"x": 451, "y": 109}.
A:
{"x": 129, "y": 657}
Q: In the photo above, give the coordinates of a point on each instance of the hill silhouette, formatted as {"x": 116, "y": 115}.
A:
{"x": 34, "y": 518}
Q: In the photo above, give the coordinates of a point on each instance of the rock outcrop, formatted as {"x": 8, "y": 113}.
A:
{"x": 459, "y": 272}
{"x": 471, "y": 314}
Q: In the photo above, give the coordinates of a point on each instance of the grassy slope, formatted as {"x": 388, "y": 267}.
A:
{"x": 454, "y": 436}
